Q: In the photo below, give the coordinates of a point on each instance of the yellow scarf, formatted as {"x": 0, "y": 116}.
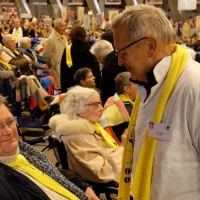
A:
{"x": 123, "y": 98}
{"x": 16, "y": 35}
{"x": 141, "y": 185}
{"x": 5, "y": 65}
{"x": 109, "y": 140}
{"x": 69, "y": 56}
{"x": 22, "y": 164}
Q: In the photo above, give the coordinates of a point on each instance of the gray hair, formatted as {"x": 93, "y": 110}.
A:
{"x": 146, "y": 20}
{"x": 75, "y": 100}
{"x": 101, "y": 48}
{"x": 6, "y": 38}
{"x": 121, "y": 80}
{"x": 24, "y": 41}
{"x": 57, "y": 22}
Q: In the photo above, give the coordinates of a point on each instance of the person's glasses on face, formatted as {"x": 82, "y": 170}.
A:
{"x": 95, "y": 105}
{"x": 120, "y": 51}
{"x": 10, "y": 122}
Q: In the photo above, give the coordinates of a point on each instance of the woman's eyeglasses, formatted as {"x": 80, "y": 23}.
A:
{"x": 11, "y": 122}
{"x": 95, "y": 105}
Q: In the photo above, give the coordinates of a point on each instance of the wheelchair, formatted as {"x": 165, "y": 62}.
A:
{"x": 102, "y": 190}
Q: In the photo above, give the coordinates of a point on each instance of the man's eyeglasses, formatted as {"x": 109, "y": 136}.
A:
{"x": 117, "y": 52}
{"x": 11, "y": 122}
{"x": 95, "y": 105}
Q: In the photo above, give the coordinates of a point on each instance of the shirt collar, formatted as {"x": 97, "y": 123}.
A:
{"x": 155, "y": 78}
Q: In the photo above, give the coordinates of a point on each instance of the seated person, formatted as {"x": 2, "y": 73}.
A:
{"x": 84, "y": 77}
{"x": 25, "y": 48}
{"x": 118, "y": 108}
{"x": 92, "y": 152}
{"x": 21, "y": 179}
{"x": 14, "y": 57}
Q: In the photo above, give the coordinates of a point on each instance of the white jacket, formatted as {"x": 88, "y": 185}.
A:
{"x": 176, "y": 170}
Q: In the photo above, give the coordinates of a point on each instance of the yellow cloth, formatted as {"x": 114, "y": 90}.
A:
{"x": 5, "y": 65}
{"x": 69, "y": 56}
{"x": 16, "y": 35}
{"x": 35, "y": 58}
{"x": 109, "y": 140}
{"x": 22, "y": 164}
{"x": 63, "y": 38}
{"x": 17, "y": 52}
{"x": 123, "y": 98}
{"x": 141, "y": 185}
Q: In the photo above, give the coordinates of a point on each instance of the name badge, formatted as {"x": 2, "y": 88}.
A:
{"x": 160, "y": 131}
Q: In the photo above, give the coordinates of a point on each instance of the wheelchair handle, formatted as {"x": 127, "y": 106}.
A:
{"x": 37, "y": 140}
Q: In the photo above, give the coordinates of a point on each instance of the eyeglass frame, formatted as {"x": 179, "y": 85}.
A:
{"x": 95, "y": 104}
{"x": 127, "y": 46}
{"x": 6, "y": 122}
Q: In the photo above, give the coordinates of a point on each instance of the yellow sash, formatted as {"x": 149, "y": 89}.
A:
{"x": 68, "y": 56}
{"x": 5, "y": 65}
{"x": 22, "y": 164}
{"x": 109, "y": 140}
{"x": 141, "y": 185}
{"x": 16, "y": 35}
{"x": 123, "y": 98}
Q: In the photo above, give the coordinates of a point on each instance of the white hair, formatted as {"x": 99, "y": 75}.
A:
{"x": 75, "y": 100}
{"x": 24, "y": 41}
{"x": 144, "y": 21}
{"x": 6, "y": 38}
{"x": 101, "y": 48}
{"x": 57, "y": 22}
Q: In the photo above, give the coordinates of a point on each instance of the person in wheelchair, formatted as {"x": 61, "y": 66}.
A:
{"x": 25, "y": 173}
{"x": 92, "y": 152}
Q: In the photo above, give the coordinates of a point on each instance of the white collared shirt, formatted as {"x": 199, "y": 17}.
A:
{"x": 176, "y": 171}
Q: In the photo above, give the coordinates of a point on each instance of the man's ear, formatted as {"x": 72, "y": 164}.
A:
{"x": 152, "y": 45}
{"x": 126, "y": 88}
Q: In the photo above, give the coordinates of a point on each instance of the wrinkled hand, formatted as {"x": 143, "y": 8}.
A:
{"x": 123, "y": 137}
{"x": 90, "y": 193}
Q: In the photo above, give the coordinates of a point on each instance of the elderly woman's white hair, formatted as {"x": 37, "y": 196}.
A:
{"x": 6, "y": 38}
{"x": 145, "y": 21}
{"x": 24, "y": 41}
{"x": 101, "y": 48}
{"x": 75, "y": 100}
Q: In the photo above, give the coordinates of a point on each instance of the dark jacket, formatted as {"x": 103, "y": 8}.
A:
{"x": 29, "y": 53}
{"x": 16, "y": 186}
{"x": 81, "y": 57}
{"x": 110, "y": 70}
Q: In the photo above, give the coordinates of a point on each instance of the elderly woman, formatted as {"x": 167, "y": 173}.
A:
{"x": 14, "y": 57}
{"x": 92, "y": 152}
{"x": 25, "y": 48}
{"x": 105, "y": 54}
{"x": 76, "y": 56}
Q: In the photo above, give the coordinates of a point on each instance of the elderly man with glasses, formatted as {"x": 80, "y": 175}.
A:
{"x": 165, "y": 155}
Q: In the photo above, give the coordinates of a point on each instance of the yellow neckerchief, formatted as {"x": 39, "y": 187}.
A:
{"x": 141, "y": 185}
{"x": 68, "y": 55}
{"x": 5, "y": 65}
{"x": 124, "y": 98}
{"x": 16, "y": 52}
{"x": 62, "y": 37}
{"x": 35, "y": 58}
{"x": 22, "y": 164}
{"x": 109, "y": 140}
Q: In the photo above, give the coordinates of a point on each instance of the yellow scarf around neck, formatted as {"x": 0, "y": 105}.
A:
{"x": 22, "y": 164}
{"x": 109, "y": 140}
{"x": 69, "y": 56}
{"x": 124, "y": 98}
{"x": 141, "y": 186}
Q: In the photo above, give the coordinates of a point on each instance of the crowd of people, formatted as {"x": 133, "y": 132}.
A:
{"x": 128, "y": 108}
